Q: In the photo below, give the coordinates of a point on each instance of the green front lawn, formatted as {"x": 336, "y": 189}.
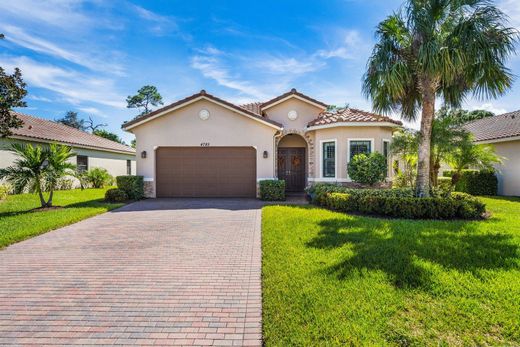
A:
{"x": 18, "y": 222}
{"x": 336, "y": 279}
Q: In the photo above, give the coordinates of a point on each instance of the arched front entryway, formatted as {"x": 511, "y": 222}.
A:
{"x": 292, "y": 162}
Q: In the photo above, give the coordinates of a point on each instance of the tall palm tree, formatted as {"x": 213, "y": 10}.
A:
{"x": 38, "y": 169}
{"x": 438, "y": 48}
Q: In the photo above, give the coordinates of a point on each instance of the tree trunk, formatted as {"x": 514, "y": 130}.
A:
{"x": 435, "y": 168}
{"x": 423, "y": 165}
{"x": 49, "y": 202}
{"x": 39, "y": 191}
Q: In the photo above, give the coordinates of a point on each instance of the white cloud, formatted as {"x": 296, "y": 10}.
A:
{"x": 288, "y": 65}
{"x": 512, "y": 9}
{"x": 57, "y": 13}
{"x": 38, "y": 98}
{"x": 20, "y": 37}
{"x": 72, "y": 85}
{"x": 92, "y": 110}
{"x": 489, "y": 107}
{"x": 160, "y": 25}
{"x": 351, "y": 46}
{"x": 210, "y": 67}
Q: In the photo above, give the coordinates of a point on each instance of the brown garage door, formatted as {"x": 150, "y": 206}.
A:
{"x": 206, "y": 172}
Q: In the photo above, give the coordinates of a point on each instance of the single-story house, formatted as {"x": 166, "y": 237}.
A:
{"x": 203, "y": 146}
{"x": 503, "y": 132}
{"x": 91, "y": 150}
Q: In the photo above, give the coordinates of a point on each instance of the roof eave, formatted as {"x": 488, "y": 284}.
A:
{"x": 354, "y": 124}
{"x": 292, "y": 94}
{"x": 194, "y": 98}
{"x": 499, "y": 139}
{"x": 97, "y": 148}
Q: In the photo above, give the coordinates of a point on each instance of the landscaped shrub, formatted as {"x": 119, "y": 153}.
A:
{"x": 99, "y": 177}
{"x": 272, "y": 190}
{"x": 65, "y": 184}
{"x": 367, "y": 169}
{"x": 133, "y": 186}
{"x": 456, "y": 206}
{"x": 319, "y": 191}
{"x": 443, "y": 188}
{"x": 82, "y": 178}
{"x": 5, "y": 189}
{"x": 116, "y": 195}
{"x": 471, "y": 206}
{"x": 474, "y": 182}
{"x": 444, "y": 182}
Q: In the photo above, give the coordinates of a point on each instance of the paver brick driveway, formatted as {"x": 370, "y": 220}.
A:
{"x": 157, "y": 272}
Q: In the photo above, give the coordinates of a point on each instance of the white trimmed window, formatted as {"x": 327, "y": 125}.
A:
{"x": 328, "y": 163}
{"x": 359, "y": 147}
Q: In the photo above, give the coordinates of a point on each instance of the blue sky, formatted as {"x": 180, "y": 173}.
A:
{"x": 88, "y": 56}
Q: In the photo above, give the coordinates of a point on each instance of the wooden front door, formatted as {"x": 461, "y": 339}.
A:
{"x": 291, "y": 168}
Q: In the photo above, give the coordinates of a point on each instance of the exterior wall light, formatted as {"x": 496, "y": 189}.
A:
{"x": 265, "y": 154}
{"x": 143, "y": 154}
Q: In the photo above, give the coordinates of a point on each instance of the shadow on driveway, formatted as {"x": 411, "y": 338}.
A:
{"x": 231, "y": 204}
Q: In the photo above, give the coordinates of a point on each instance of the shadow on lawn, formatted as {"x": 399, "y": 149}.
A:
{"x": 82, "y": 204}
{"x": 397, "y": 247}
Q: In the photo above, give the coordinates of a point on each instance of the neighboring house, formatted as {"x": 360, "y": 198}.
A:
{"x": 203, "y": 146}
{"x": 92, "y": 151}
{"x": 503, "y": 132}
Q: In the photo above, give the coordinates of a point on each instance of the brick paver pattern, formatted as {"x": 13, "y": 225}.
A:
{"x": 156, "y": 272}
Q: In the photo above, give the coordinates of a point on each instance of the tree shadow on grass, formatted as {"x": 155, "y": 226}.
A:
{"x": 83, "y": 204}
{"x": 397, "y": 247}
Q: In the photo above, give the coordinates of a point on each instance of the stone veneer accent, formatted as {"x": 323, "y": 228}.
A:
{"x": 149, "y": 189}
{"x": 310, "y": 149}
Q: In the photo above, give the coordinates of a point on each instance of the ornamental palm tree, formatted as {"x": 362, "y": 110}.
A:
{"x": 28, "y": 170}
{"x": 404, "y": 145}
{"x": 468, "y": 155}
{"x": 38, "y": 169}
{"x": 438, "y": 48}
{"x": 58, "y": 166}
{"x": 447, "y": 135}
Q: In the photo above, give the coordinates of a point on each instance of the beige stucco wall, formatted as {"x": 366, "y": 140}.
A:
{"x": 342, "y": 136}
{"x": 183, "y": 127}
{"x": 292, "y": 140}
{"x": 114, "y": 163}
{"x": 509, "y": 170}
{"x": 306, "y": 113}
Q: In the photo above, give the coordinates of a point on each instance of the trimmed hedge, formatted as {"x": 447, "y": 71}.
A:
{"x": 115, "y": 195}
{"x": 319, "y": 191}
{"x": 458, "y": 205}
{"x": 133, "y": 186}
{"x": 272, "y": 190}
{"x": 475, "y": 182}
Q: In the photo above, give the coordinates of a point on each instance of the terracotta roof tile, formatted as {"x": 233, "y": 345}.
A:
{"x": 349, "y": 115}
{"x": 252, "y": 107}
{"x": 42, "y": 129}
{"x": 496, "y": 127}
{"x": 195, "y": 96}
{"x": 292, "y": 92}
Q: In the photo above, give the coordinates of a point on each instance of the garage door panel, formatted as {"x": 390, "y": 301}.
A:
{"x": 206, "y": 172}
